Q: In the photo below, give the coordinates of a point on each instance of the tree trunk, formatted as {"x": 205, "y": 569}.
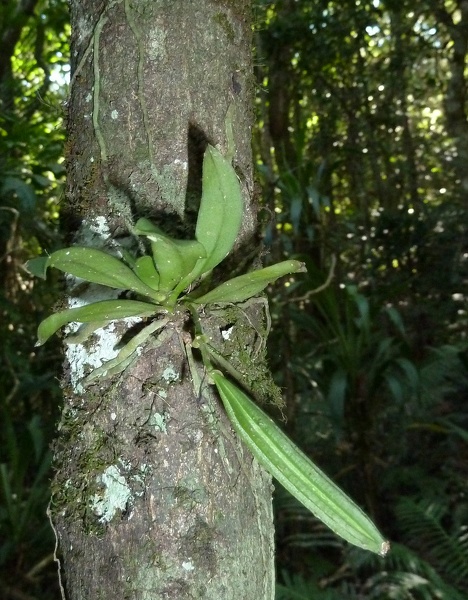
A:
{"x": 456, "y": 93}
{"x": 154, "y": 497}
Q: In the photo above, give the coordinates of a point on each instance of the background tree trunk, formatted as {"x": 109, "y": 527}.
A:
{"x": 153, "y": 496}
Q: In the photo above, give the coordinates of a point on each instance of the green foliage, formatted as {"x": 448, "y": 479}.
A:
{"x": 175, "y": 259}
{"x": 97, "y": 314}
{"x": 358, "y": 366}
{"x": 375, "y": 420}
{"x": 33, "y": 63}
{"x": 221, "y": 209}
{"x": 31, "y": 138}
{"x": 239, "y": 289}
{"x": 275, "y": 451}
{"x": 423, "y": 521}
{"x": 402, "y": 575}
{"x": 362, "y": 158}
{"x": 27, "y": 538}
{"x": 295, "y": 587}
{"x": 22, "y": 499}
{"x": 358, "y": 160}
{"x": 176, "y": 264}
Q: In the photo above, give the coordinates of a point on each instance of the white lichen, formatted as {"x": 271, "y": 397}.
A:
{"x": 96, "y": 227}
{"x": 102, "y": 345}
{"x": 226, "y": 333}
{"x": 170, "y": 375}
{"x": 115, "y": 496}
{"x": 158, "y": 421}
{"x": 156, "y": 48}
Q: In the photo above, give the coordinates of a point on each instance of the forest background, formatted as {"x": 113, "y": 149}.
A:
{"x": 362, "y": 158}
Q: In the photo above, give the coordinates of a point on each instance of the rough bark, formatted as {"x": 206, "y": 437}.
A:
{"x": 154, "y": 497}
{"x": 456, "y": 93}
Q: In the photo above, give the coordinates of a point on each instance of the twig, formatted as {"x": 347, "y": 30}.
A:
{"x": 320, "y": 288}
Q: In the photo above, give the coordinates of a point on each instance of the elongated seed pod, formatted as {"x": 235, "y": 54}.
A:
{"x": 297, "y": 473}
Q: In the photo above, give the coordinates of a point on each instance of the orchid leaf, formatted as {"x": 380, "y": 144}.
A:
{"x": 100, "y": 267}
{"x": 221, "y": 207}
{"x": 38, "y": 266}
{"x": 145, "y": 270}
{"x": 295, "y": 471}
{"x": 245, "y": 286}
{"x": 174, "y": 259}
{"x": 105, "y": 310}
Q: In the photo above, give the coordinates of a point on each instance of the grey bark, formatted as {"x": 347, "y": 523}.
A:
{"x": 456, "y": 93}
{"x": 154, "y": 497}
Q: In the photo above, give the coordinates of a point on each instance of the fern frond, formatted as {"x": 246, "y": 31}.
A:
{"x": 295, "y": 587}
{"x": 447, "y": 553}
{"x": 402, "y": 586}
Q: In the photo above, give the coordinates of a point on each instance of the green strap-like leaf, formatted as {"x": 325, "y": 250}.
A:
{"x": 297, "y": 473}
{"x": 97, "y": 266}
{"x": 221, "y": 207}
{"x": 126, "y": 354}
{"x": 146, "y": 271}
{"x": 175, "y": 259}
{"x": 245, "y": 286}
{"x": 145, "y": 227}
{"x": 106, "y": 310}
